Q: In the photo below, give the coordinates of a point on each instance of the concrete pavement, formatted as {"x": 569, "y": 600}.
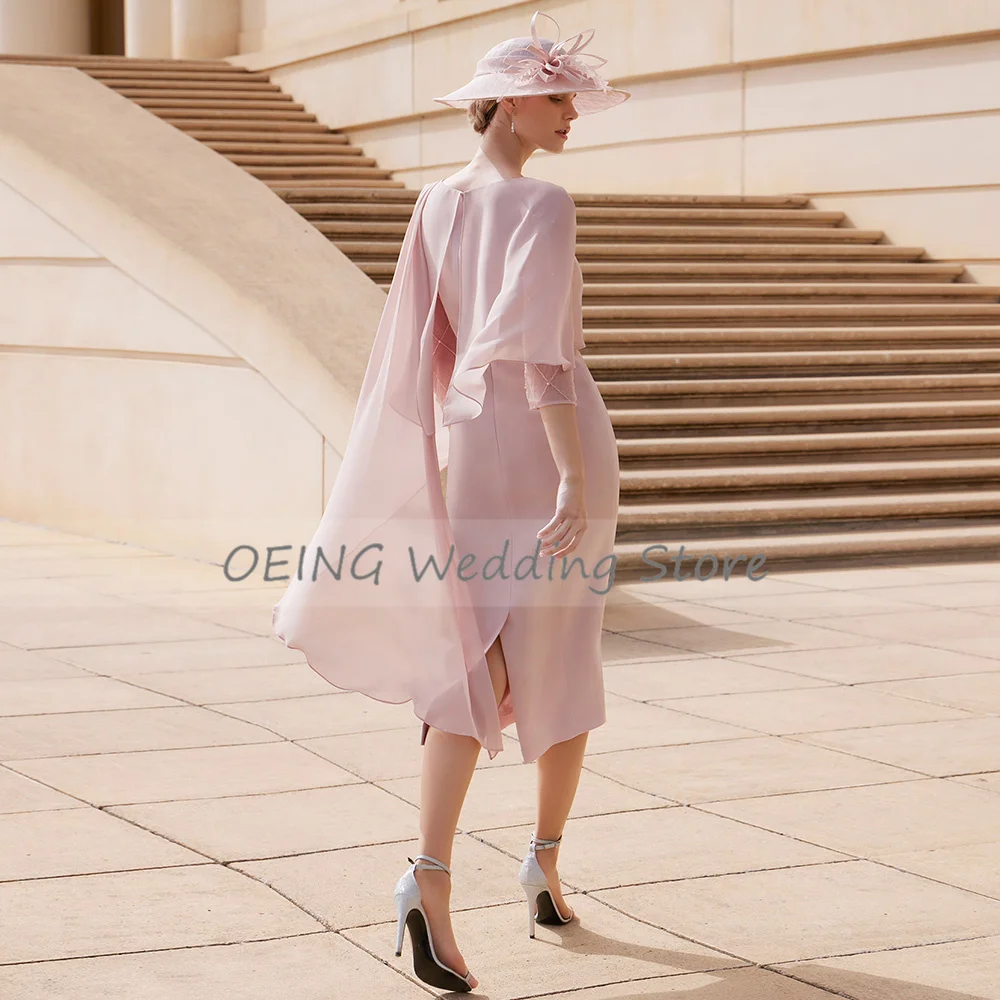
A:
{"x": 796, "y": 795}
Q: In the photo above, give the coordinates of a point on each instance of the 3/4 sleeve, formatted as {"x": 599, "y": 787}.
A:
{"x": 526, "y": 252}
{"x": 548, "y": 275}
{"x": 547, "y": 384}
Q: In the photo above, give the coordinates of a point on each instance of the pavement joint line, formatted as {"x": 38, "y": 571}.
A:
{"x": 881, "y": 862}
{"x": 109, "y": 871}
{"x": 892, "y": 947}
{"x": 148, "y": 951}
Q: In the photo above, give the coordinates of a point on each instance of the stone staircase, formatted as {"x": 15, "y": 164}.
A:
{"x": 779, "y": 382}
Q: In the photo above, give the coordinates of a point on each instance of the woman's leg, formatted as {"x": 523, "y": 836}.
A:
{"x": 448, "y": 764}
{"x": 558, "y": 776}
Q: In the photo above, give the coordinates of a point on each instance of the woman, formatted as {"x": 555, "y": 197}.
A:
{"x": 484, "y": 609}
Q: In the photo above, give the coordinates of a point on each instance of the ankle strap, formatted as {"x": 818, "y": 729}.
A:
{"x": 542, "y": 843}
{"x": 439, "y": 865}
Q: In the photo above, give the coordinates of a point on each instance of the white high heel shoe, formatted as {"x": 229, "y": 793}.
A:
{"x": 426, "y": 965}
{"x": 536, "y": 888}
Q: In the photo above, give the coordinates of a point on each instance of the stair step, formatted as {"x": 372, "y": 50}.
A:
{"x": 642, "y": 518}
{"x": 209, "y": 125}
{"x": 382, "y": 185}
{"x": 648, "y": 215}
{"x": 296, "y": 162}
{"x": 297, "y": 148}
{"x": 781, "y": 391}
{"x": 127, "y": 62}
{"x": 115, "y": 76}
{"x": 177, "y": 106}
{"x": 805, "y": 417}
{"x": 195, "y": 88}
{"x": 798, "y": 312}
{"x": 635, "y": 340}
{"x": 620, "y": 367}
{"x": 347, "y": 170}
{"x": 723, "y": 233}
{"x": 596, "y": 273}
{"x": 223, "y": 135}
{"x": 695, "y": 200}
{"x": 801, "y": 476}
{"x": 236, "y": 117}
{"x": 773, "y": 252}
{"x": 755, "y": 448}
{"x": 815, "y": 290}
{"x": 827, "y": 549}
{"x": 386, "y": 246}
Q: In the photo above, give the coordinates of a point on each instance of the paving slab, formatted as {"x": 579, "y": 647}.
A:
{"x": 737, "y": 769}
{"x": 74, "y": 694}
{"x": 812, "y": 709}
{"x": 140, "y": 911}
{"x": 820, "y": 604}
{"x": 954, "y": 970}
{"x": 126, "y": 729}
{"x": 812, "y": 911}
{"x": 975, "y": 867}
{"x": 394, "y": 753}
{"x": 953, "y": 747}
{"x": 323, "y": 715}
{"x": 967, "y": 570}
{"x": 603, "y": 946}
{"x": 236, "y": 684}
{"x": 990, "y": 780}
{"x": 322, "y": 965}
{"x": 198, "y": 773}
{"x": 757, "y": 794}
{"x": 80, "y": 842}
{"x": 673, "y": 842}
{"x": 326, "y": 883}
{"x": 279, "y": 824}
{"x": 986, "y": 645}
{"x": 761, "y": 636}
{"x": 975, "y": 692}
{"x": 876, "y": 819}
{"x": 925, "y": 625}
{"x": 973, "y": 595}
{"x": 504, "y": 796}
{"x": 880, "y": 661}
{"x": 180, "y": 655}
{"x": 631, "y": 724}
{"x": 22, "y": 665}
{"x": 747, "y": 983}
{"x": 703, "y": 676}
{"x": 40, "y": 629}
{"x": 881, "y": 576}
{"x": 621, "y": 647}
{"x": 644, "y": 615}
{"x": 21, "y": 794}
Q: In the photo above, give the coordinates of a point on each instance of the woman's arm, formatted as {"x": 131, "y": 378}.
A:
{"x": 562, "y": 534}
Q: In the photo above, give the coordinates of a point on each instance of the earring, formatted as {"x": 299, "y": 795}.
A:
{"x": 512, "y": 123}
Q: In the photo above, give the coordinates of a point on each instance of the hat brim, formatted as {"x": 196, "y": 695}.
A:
{"x": 586, "y": 102}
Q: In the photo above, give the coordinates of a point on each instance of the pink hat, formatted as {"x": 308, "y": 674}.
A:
{"x": 520, "y": 67}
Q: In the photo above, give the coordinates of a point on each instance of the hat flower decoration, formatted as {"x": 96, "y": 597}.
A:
{"x": 526, "y": 66}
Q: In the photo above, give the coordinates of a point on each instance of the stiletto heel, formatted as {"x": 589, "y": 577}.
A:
{"x": 409, "y": 908}
{"x": 536, "y": 888}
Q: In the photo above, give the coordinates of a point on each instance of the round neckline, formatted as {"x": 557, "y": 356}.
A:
{"x": 482, "y": 187}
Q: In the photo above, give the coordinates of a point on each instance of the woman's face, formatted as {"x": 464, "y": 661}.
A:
{"x": 544, "y": 120}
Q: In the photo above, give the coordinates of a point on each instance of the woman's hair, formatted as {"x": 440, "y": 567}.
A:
{"x": 481, "y": 113}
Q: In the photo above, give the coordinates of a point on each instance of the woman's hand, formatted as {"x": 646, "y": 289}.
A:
{"x": 563, "y": 533}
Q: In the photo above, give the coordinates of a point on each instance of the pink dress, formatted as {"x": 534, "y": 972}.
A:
{"x": 402, "y": 589}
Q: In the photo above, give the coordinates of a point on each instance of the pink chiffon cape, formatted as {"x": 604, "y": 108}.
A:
{"x": 365, "y": 603}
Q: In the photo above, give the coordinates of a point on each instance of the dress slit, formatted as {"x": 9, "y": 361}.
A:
{"x": 507, "y": 690}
